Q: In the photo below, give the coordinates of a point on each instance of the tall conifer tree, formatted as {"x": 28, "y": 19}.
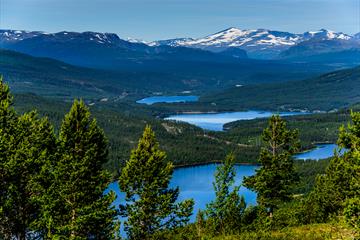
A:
{"x": 274, "y": 179}
{"x": 27, "y": 143}
{"x": 151, "y": 205}
{"x": 77, "y": 207}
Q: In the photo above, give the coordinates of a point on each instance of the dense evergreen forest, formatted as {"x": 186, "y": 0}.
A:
{"x": 326, "y": 93}
{"x": 53, "y": 179}
{"x": 185, "y": 144}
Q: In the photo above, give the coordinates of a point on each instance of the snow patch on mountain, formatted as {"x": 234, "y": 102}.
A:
{"x": 16, "y": 35}
{"x": 257, "y": 42}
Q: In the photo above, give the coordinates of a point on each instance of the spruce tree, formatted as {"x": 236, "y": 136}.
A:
{"x": 274, "y": 179}
{"x": 27, "y": 143}
{"x": 7, "y": 128}
{"x": 76, "y": 206}
{"x": 226, "y": 211}
{"x": 151, "y": 205}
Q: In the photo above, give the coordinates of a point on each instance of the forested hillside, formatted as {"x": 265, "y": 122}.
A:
{"x": 184, "y": 143}
{"x": 50, "y": 182}
{"x": 57, "y": 79}
{"x": 53, "y": 78}
{"x": 327, "y": 92}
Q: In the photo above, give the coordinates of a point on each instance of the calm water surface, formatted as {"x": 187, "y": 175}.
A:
{"x": 321, "y": 151}
{"x": 168, "y": 99}
{"x": 196, "y": 183}
{"x": 216, "y": 121}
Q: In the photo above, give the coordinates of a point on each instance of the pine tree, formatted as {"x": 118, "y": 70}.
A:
{"x": 27, "y": 143}
{"x": 274, "y": 179}
{"x": 151, "y": 205}
{"x": 226, "y": 211}
{"x": 341, "y": 181}
{"x": 75, "y": 206}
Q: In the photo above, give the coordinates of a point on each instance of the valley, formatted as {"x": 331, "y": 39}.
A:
{"x": 126, "y": 99}
{"x": 179, "y": 120}
{"x": 186, "y": 144}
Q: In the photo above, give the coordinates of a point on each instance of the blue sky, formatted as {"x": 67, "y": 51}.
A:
{"x": 162, "y": 19}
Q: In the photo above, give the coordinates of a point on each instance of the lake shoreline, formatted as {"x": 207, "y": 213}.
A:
{"x": 178, "y": 166}
{"x": 217, "y": 121}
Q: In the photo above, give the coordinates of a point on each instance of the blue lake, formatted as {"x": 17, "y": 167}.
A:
{"x": 321, "y": 151}
{"x": 216, "y": 121}
{"x": 168, "y": 99}
{"x": 196, "y": 183}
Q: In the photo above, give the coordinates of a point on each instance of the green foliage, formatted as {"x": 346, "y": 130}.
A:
{"x": 330, "y": 91}
{"x": 276, "y": 176}
{"x": 308, "y": 170}
{"x": 342, "y": 178}
{"x": 289, "y": 214}
{"x": 51, "y": 188}
{"x": 74, "y": 206}
{"x": 352, "y": 212}
{"x": 45, "y": 180}
{"x": 302, "y": 232}
{"x": 313, "y": 128}
{"x": 123, "y": 125}
{"x": 27, "y": 143}
{"x": 226, "y": 211}
{"x": 185, "y": 144}
{"x": 200, "y": 223}
{"x": 150, "y": 206}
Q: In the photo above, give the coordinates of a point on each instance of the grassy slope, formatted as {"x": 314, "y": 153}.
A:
{"x": 330, "y": 231}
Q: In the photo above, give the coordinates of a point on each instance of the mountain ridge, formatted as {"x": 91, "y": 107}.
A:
{"x": 258, "y": 43}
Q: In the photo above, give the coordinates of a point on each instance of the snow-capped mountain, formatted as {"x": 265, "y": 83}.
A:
{"x": 135, "y": 40}
{"x": 104, "y": 50}
{"x": 12, "y": 36}
{"x": 78, "y": 48}
{"x": 172, "y": 42}
{"x": 259, "y": 43}
{"x": 324, "y": 34}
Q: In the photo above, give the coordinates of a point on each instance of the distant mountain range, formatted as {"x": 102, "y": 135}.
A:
{"x": 104, "y": 50}
{"x": 258, "y": 44}
{"x": 121, "y": 68}
{"x": 266, "y": 44}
